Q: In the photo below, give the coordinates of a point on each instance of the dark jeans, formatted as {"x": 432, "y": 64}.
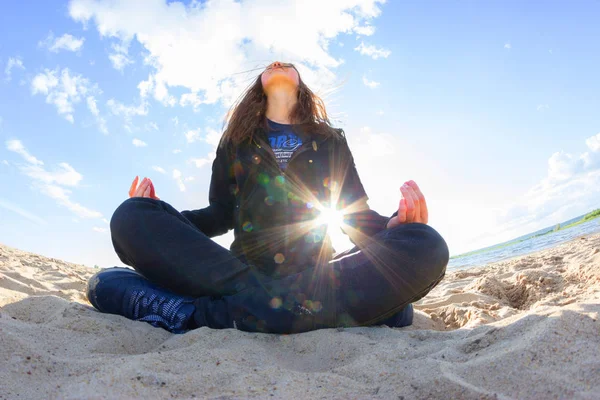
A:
{"x": 359, "y": 287}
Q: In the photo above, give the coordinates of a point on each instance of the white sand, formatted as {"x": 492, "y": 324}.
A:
{"x": 525, "y": 328}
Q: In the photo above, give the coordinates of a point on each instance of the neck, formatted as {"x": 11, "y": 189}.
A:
{"x": 280, "y": 105}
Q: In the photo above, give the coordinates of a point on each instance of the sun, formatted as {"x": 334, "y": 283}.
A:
{"x": 331, "y": 217}
{"x": 334, "y": 219}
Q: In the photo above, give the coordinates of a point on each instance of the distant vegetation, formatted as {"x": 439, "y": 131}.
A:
{"x": 587, "y": 217}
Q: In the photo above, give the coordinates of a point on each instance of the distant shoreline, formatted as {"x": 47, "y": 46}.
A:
{"x": 584, "y": 218}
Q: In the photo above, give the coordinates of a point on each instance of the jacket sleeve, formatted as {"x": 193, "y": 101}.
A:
{"x": 361, "y": 222}
{"x": 218, "y": 217}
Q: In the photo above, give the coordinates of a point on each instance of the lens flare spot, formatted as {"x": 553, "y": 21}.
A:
{"x": 309, "y": 205}
{"x": 263, "y": 179}
{"x": 276, "y": 302}
{"x": 256, "y": 159}
{"x": 330, "y": 184}
{"x": 269, "y": 200}
{"x": 279, "y": 258}
{"x": 311, "y": 305}
{"x": 313, "y": 237}
{"x": 238, "y": 168}
{"x": 316, "y": 306}
{"x": 247, "y": 226}
{"x": 279, "y": 180}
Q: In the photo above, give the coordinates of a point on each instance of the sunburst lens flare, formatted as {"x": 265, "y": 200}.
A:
{"x": 333, "y": 218}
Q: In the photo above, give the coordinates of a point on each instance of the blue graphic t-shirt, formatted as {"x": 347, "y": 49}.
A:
{"x": 283, "y": 141}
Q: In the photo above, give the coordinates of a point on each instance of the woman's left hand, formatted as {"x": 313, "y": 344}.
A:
{"x": 412, "y": 208}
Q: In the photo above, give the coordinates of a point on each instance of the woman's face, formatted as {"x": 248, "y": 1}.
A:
{"x": 279, "y": 75}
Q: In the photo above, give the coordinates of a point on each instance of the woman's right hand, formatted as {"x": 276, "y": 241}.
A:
{"x": 145, "y": 189}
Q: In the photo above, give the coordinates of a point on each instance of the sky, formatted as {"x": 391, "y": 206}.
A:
{"x": 491, "y": 107}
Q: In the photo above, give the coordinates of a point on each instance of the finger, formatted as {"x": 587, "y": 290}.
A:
{"x": 410, "y": 206}
{"x": 147, "y": 191}
{"x": 416, "y": 202}
{"x": 152, "y": 191}
{"x": 133, "y": 186}
{"x": 393, "y": 222}
{"x": 423, "y": 203}
{"x": 142, "y": 188}
{"x": 402, "y": 211}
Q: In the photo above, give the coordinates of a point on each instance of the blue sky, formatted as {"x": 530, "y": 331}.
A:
{"x": 491, "y": 107}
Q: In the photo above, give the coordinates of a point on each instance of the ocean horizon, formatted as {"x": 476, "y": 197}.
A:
{"x": 526, "y": 244}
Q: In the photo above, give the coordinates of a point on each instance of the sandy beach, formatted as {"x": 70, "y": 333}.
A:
{"x": 525, "y": 328}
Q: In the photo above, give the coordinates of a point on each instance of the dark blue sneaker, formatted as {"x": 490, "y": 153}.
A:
{"x": 125, "y": 292}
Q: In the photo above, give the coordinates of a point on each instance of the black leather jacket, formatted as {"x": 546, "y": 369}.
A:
{"x": 273, "y": 212}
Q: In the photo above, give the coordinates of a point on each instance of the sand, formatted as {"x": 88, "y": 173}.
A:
{"x": 524, "y": 328}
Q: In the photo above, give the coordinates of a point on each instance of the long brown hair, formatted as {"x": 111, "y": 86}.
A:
{"x": 248, "y": 114}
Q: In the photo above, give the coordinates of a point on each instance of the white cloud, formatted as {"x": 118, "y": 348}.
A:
{"x": 105, "y": 221}
{"x": 13, "y": 62}
{"x": 151, "y": 126}
{"x": 175, "y": 120}
{"x": 62, "y": 91}
{"x": 212, "y": 137}
{"x": 542, "y": 107}
{"x": 119, "y": 58}
{"x": 65, "y": 175}
{"x": 99, "y": 230}
{"x": 65, "y": 42}
{"x": 159, "y": 169}
{"x": 370, "y": 84}
{"x": 189, "y": 179}
{"x": 127, "y": 112}
{"x": 372, "y": 51}
{"x": 593, "y": 143}
{"x": 507, "y": 46}
{"x": 176, "y": 151}
{"x": 178, "y": 179}
{"x": 366, "y": 30}
{"x": 139, "y": 143}
{"x": 380, "y": 112}
{"x": 5, "y": 162}
{"x": 192, "y": 135}
{"x": 50, "y": 183}
{"x": 571, "y": 187}
{"x": 17, "y": 147}
{"x": 92, "y": 106}
{"x": 100, "y": 121}
{"x": 23, "y": 213}
{"x": 158, "y": 89}
{"x": 200, "y": 162}
{"x": 175, "y": 39}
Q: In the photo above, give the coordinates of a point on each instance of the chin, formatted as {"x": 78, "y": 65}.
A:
{"x": 279, "y": 82}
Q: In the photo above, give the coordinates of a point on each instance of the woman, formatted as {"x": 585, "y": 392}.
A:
{"x": 280, "y": 168}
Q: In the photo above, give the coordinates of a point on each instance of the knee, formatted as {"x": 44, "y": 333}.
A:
{"x": 425, "y": 244}
{"x": 128, "y": 215}
{"x": 435, "y": 251}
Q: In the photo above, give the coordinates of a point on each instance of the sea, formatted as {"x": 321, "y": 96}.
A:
{"x": 530, "y": 243}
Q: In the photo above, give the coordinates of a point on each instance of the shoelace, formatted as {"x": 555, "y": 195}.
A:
{"x": 159, "y": 311}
